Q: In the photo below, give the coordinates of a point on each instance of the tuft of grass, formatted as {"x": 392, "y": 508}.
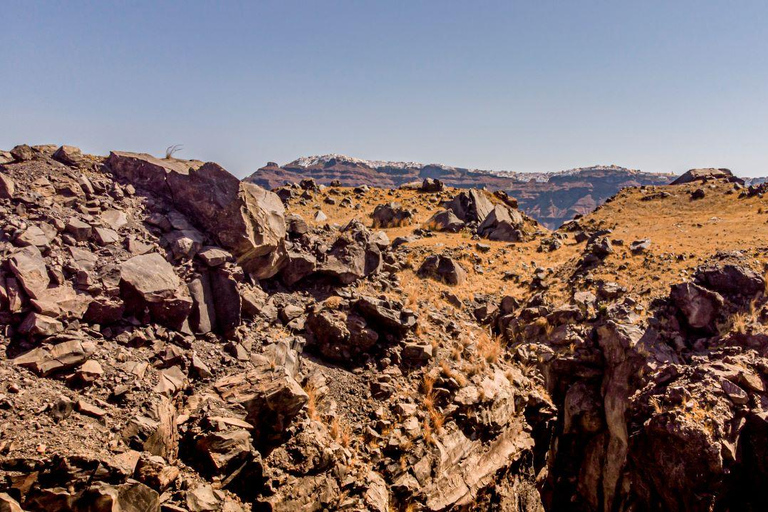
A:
{"x": 312, "y": 402}
{"x": 490, "y": 347}
{"x": 171, "y": 150}
{"x": 340, "y": 432}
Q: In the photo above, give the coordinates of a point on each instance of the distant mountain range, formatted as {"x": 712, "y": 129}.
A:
{"x": 551, "y": 198}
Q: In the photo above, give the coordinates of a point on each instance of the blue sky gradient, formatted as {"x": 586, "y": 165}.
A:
{"x": 514, "y": 85}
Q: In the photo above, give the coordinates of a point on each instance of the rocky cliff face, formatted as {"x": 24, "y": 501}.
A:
{"x": 550, "y": 198}
{"x": 172, "y": 339}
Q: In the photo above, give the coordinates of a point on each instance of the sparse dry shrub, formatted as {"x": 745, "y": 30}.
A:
{"x": 656, "y": 404}
{"x": 437, "y": 418}
{"x": 543, "y": 326}
{"x": 333, "y": 302}
{"x": 426, "y": 429}
{"x": 740, "y": 323}
{"x": 312, "y": 402}
{"x": 171, "y": 150}
{"x": 489, "y": 347}
{"x": 340, "y": 432}
{"x": 452, "y": 373}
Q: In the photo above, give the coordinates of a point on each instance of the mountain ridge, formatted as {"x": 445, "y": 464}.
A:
{"x": 551, "y": 198}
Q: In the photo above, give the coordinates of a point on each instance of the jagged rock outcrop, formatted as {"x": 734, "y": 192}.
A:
{"x": 471, "y": 206}
{"x": 242, "y": 217}
{"x": 502, "y": 224}
{"x": 707, "y": 174}
{"x": 445, "y": 220}
{"x": 444, "y": 269}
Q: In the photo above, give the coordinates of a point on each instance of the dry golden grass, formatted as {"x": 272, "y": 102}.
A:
{"x": 452, "y": 373}
{"x": 340, "y": 432}
{"x": 312, "y": 402}
{"x": 682, "y": 233}
{"x": 490, "y": 347}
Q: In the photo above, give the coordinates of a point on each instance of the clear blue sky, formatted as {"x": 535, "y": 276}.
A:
{"x": 516, "y": 85}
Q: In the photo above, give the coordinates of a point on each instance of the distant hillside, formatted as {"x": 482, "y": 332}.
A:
{"x": 551, "y": 198}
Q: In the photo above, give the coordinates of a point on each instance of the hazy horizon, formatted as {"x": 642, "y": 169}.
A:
{"x": 515, "y": 86}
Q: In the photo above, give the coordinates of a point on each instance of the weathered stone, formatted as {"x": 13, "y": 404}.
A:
{"x": 243, "y": 217}
{"x": 36, "y": 236}
{"x": 89, "y": 409}
{"x": 640, "y": 246}
{"x": 296, "y": 225}
{"x": 89, "y": 372}
{"x": 104, "y": 311}
{"x": 150, "y": 281}
{"x": 214, "y": 256}
{"x": 706, "y": 175}
{"x": 353, "y": 256}
{"x": 202, "y": 317}
{"x": 444, "y": 269}
{"x": 339, "y": 336}
{"x": 432, "y": 185}
{"x": 69, "y": 155}
{"x": 202, "y": 499}
{"x": 184, "y": 244}
{"x": 222, "y": 452}
{"x": 271, "y": 397}
{"x": 8, "y": 504}
{"x": 132, "y": 496}
{"x": 155, "y": 430}
{"x": 389, "y": 316}
{"x": 417, "y": 352}
{"x": 22, "y": 153}
{"x": 502, "y": 224}
{"x": 391, "y": 215}
{"x": 731, "y": 280}
{"x": 226, "y": 300}
{"x": 114, "y": 219}
{"x": 299, "y": 265}
{"x": 29, "y": 268}
{"x": 78, "y": 229}
{"x": 36, "y": 324}
{"x": 471, "y": 206}
{"x": 105, "y": 236}
{"x": 49, "y": 359}
{"x": 153, "y": 471}
{"x": 7, "y": 187}
{"x": 444, "y": 220}
{"x": 699, "y": 306}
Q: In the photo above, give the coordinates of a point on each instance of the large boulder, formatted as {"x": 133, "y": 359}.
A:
{"x": 731, "y": 280}
{"x": 7, "y": 187}
{"x": 69, "y": 155}
{"x": 241, "y": 216}
{"x": 48, "y": 359}
{"x": 338, "y": 335}
{"x": 699, "y": 306}
{"x": 354, "y": 255}
{"x": 443, "y": 269}
{"x": 431, "y": 185}
{"x": 502, "y": 224}
{"x": 707, "y": 174}
{"x": 391, "y": 215}
{"x": 270, "y": 396}
{"x": 29, "y": 268}
{"x": 471, "y": 206}
{"x": 148, "y": 280}
{"x": 444, "y": 220}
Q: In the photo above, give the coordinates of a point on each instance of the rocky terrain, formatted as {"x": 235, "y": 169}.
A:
{"x": 174, "y": 339}
{"x": 550, "y": 198}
